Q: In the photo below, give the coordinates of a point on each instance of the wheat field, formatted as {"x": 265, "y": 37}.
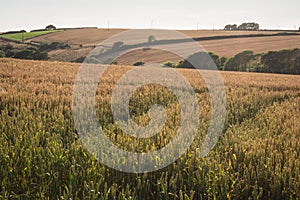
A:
{"x": 42, "y": 156}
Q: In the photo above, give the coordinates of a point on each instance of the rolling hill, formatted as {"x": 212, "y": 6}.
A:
{"x": 221, "y": 42}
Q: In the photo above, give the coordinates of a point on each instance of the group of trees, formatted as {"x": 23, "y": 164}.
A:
{"x": 30, "y": 53}
{"x": 243, "y": 26}
{"x": 202, "y": 60}
{"x": 283, "y": 61}
{"x": 231, "y": 27}
{"x": 53, "y": 46}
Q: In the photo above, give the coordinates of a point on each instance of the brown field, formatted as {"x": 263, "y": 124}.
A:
{"x": 69, "y": 55}
{"x": 89, "y": 38}
{"x": 224, "y": 47}
{"x": 85, "y": 37}
{"x": 14, "y": 44}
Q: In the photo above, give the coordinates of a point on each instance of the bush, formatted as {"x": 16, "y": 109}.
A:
{"x": 40, "y": 56}
{"x": 170, "y": 64}
{"x": 151, "y": 39}
{"x": 53, "y": 46}
{"x": 140, "y": 63}
{"x": 31, "y": 55}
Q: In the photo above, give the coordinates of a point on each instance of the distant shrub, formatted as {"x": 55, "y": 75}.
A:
{"x": 170, "y": 64}
{"x": 53, "y": 46}
{"x": 24, "y": 54}
{"x": 151, "y": 39}
{"x": 30, "y": 55}
{"x": 140, "y": 63}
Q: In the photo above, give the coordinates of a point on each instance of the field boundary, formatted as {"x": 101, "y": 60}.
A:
{"x": 245, "y": 36}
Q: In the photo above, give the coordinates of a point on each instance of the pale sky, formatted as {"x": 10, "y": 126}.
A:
{"x": 166, "y": 14}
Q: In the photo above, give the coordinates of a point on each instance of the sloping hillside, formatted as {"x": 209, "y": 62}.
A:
{"x": 84, "y": 40}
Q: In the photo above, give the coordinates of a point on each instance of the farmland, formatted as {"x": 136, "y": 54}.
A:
{"x": 91, "y": 37}
{"x": 42, "y": 157}
{"x": 84, "y": 40}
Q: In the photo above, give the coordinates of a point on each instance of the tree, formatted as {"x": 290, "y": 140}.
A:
{"x": 50, "y": 27}
{"x": 53, "y": 46}
{"x": 151, "y": 39}
{"x": 200, "y": 60}
{"x": 240, "y": 62}
{"x": 249, "y": 26}
{"x": 222, "y": 62}
{"x": 284, "y": 61}
{"x": 31, "y": 55}
{"x": 227, "y": 27}
{"x": 233, "y": 27}
{"x": 230, "y": 27}
{"x": 217, "y": 60}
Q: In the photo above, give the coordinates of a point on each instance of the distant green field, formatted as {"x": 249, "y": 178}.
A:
{"x": 27, "y": 35}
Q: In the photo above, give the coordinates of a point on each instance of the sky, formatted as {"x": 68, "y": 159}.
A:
{"x": 160, "y": 14}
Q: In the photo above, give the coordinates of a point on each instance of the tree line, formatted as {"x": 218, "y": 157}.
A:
{"x": 243, "y": 26}
{"x": 283, "y": 62}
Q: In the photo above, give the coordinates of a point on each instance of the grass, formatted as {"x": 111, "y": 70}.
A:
{"x": 26, "y": 35}
{"x": 41, "y": 156}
